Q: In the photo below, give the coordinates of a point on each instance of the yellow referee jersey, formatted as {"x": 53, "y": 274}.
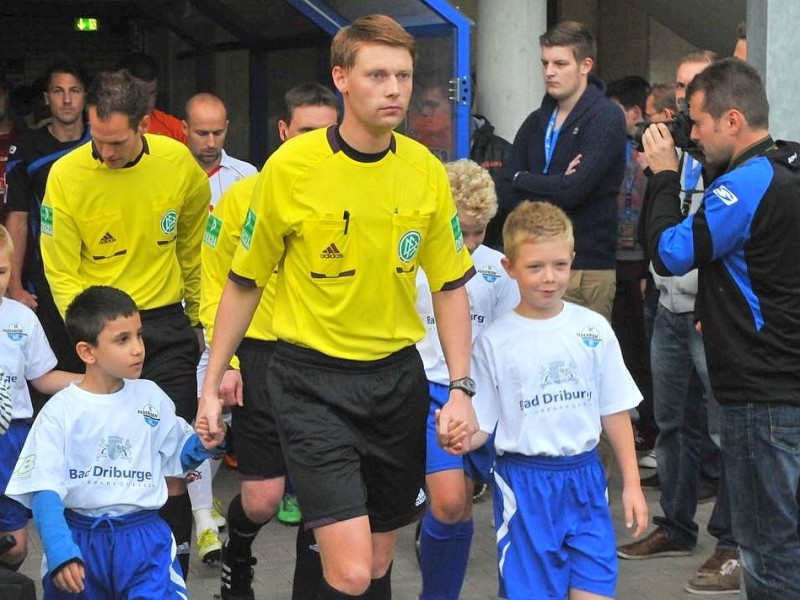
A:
{"x": 138, "y": 228}
{"x": 221, "y": 238}
{"x": 350, "y": 236}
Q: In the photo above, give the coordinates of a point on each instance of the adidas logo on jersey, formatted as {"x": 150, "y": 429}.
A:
{"x": 421, "y": 497}
{"x": 108, "y": 238}
{"x": 331, "y": 252}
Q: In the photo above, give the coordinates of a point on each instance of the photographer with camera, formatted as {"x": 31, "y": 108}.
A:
{"x": 685, "y": 409}
{"x": 745, "y": 239}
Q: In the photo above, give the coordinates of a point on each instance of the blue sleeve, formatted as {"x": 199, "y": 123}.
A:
{"x": 48, "y": 516}
{"x": 720, "y": 228}
{"x": 194, "y": 453}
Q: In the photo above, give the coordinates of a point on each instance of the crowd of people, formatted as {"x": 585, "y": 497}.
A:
{"x": 339, "y": 321}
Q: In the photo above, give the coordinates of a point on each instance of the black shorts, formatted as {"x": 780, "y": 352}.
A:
{"x": 353, "y": 434}
{"x": 171, "y": 356}
{"x": 257, "y": 447}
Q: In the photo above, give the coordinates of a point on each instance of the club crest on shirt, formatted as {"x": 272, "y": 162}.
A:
{"x": 150, "y": 414}
{"x": 489, "y": 273}
{"x": 408, "y": 245}
{"x": 115, "y": 447}
{"x": 15, "y": 332}
{"x": 557, "y": 372}
{"x": 590, "y": 336}
{"x": 169, "y": 222}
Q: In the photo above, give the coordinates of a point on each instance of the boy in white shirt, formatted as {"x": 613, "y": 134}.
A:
{"x": 445, "y": 532}
{"x": 25, "y": 356}
{"x": 550, "y": 376}
{"x": 93, "y": 466}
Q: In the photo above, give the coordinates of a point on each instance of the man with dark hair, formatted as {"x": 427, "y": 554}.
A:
{"x": 307, "y": 107}
{"x": 348, "y": 214}
{"x": 571, "y": 152}
{"x": 128, "y": 211}
{"x": 144, "y": 67}
{"x": 745, "y": 240}
{"x": 28, "y": 170}
{"x": 686, "y": 411}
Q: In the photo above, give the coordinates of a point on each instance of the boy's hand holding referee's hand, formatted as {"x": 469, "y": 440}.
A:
{"x": 210, "y": 440}
{"x": 455, "y": 442}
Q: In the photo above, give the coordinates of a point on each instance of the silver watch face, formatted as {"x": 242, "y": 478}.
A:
{"x": 466, "y": 384}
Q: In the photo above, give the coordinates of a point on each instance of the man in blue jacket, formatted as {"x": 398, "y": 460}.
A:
{"x": 745, "y": 240}
{"x": 571, "y": 152}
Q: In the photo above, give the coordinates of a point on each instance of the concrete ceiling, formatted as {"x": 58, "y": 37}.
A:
{"x": 707, "y": 24}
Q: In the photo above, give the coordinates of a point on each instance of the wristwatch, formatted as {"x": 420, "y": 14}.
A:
{"x": 465, "y": 384}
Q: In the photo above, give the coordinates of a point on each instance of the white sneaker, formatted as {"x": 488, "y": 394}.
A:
{"x": 648, "y": 460}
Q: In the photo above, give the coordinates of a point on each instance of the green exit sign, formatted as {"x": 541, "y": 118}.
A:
{"x": 85, "y": 24}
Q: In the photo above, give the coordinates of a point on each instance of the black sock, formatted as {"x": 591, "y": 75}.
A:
{"x": 177, "y": 512}
{"x": 241, "y": 530}
{"x": 381, "y": 588}
{"x": 307, "y": 566}
{"x": 326, "y": 592}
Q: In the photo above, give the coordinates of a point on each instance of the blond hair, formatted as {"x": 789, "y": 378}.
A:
{"x": 473, "y": 190}
{"x": 534, "y": 222}
{"x": 6, "y": 243}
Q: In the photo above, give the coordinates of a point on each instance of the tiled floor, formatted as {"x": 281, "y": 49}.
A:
{"x": 656, "y": 579}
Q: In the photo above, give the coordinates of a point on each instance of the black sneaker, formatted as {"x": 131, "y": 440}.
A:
{"x": 236, "y": 576}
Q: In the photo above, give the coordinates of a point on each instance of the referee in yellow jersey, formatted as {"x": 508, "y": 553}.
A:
{"x": 262, "y": 469}
{"x": 128, "y": 211}
{"x": 348, "y": 214}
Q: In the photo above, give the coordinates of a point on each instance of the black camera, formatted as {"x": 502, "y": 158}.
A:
{"x": 680, "y": 127}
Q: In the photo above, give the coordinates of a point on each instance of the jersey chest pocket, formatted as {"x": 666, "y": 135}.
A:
{"x": 408, "y": 232}
{"x": 105, "y": 237}
{"x": 330, "y": 251}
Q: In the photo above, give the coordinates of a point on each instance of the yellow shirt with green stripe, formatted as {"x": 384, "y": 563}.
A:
{"x": 221, "y": 238}
{"x": 138, "y": 228}
{"x": 348, "y": 237}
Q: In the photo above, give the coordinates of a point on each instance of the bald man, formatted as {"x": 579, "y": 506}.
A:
{"x": 206, "y": 126}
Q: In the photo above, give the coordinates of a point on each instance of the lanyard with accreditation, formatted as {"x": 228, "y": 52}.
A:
{"x": 550, "y": 139}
